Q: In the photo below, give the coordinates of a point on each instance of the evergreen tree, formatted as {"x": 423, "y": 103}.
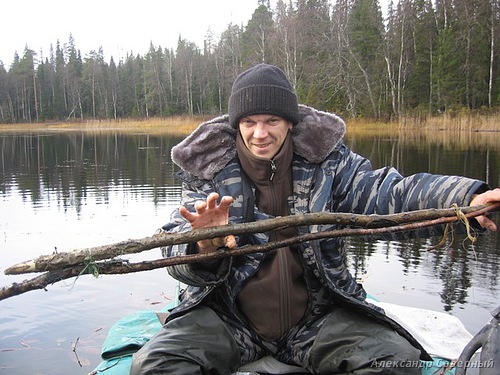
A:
{"x": 257, "y": 36}
{"x": 5, "y": 100}
{"x": 421, "y": 51}
{"x": 365, "y": 48}
{"x": 428, "y": 56}
{"x": 73, "y": 73}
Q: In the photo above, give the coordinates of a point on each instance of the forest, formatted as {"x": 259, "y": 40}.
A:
{"x": 423, "y": 57}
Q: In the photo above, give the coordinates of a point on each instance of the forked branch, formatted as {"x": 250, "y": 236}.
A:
{"x": 62, "y": 266}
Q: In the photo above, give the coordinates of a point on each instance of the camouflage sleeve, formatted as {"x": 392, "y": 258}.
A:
{"x": 386, "y": 191}
{"x": 192, "y": 274}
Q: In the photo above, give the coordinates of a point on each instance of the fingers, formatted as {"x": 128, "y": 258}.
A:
{"x": 230, "y": 241}
{"x": 226, "y": 202}
{"x": 186, "y": 214}
{"x": 211, "y": 204}
{"x": 490, "y": 196}
{"x": 208, "y": 214}
{"x": 212, "y": 200}
{"x": 198, "y": 220}
{"x": 213, "y": 244}
{"x": 209, "y": 245}
{"x": 200, "y": 207}
{"x": 486, "y": 223}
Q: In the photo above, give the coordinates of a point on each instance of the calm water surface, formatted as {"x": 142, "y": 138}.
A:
{"x": 72, "y": 190}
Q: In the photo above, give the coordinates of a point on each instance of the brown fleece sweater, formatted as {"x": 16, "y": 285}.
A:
{"x": 275, "y": 298}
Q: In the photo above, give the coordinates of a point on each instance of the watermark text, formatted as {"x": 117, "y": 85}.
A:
{"x": 438, "y": 362}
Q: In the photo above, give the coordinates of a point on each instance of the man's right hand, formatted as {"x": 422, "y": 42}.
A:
{"x": 210, "y": 214}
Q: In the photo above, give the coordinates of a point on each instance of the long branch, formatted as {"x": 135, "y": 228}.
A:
{"x": 124, "y": 267}
{"x": 73, "y": 258}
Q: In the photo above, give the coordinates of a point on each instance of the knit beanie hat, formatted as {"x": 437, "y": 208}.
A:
{"x": 263, "y": 89}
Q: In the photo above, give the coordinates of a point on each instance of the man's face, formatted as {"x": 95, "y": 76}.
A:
{"x": 264, "y": 134}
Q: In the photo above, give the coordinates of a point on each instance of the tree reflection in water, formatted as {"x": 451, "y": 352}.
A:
{"x": 72, "y": 176}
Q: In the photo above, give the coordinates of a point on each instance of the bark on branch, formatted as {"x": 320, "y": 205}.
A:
{"x": 58, "y": 261}
{"x": 87, "y": 260}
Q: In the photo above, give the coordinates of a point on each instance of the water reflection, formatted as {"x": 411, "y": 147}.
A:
{"x": 73, "y": 190}
{"x": 455, "y": 276}
{"x": 73, "y": 165}
{"x": 68, "y": 191}
{"x": 458, "y": 273}
{"x": 477, "y": 155}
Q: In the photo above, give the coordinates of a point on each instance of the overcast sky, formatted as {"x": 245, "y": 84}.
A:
{"x": 119, "y": 26}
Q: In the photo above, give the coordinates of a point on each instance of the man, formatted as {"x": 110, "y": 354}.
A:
{"x": 271, "y": 157}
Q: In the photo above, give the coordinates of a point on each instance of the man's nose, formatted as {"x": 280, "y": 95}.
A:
{"x": 260, "y": 130}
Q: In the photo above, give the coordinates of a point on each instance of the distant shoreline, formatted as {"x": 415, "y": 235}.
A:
{"x": 178, "y": 125}
{"x": 183, "y": 125}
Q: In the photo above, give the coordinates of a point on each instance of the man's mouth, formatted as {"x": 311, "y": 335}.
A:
{"x": 261, "y": 145}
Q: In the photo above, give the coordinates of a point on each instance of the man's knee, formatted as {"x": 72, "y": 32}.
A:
{"x": 197, "y": 342}
{"x": 349, "y": 342}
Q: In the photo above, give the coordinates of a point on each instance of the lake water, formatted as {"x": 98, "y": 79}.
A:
{"x": 70, "y": 190}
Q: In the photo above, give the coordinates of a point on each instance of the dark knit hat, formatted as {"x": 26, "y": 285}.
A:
{"x": 263, "y": 89}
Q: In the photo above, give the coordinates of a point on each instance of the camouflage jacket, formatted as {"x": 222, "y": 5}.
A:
{"x": 327, "y": 176}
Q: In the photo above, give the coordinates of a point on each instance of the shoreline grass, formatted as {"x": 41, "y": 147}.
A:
{"x": 183, "y": 125}
{"x": 484, "y": 134}
{"x": 176, "y": 125}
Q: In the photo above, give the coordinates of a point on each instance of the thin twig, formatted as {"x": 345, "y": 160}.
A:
{"x": 74, "y": 351}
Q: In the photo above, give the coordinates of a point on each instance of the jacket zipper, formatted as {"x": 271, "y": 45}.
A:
{"x": 273, "y": 170}
{"x": 285, "y": 288}
{"x": 284, "y": 285}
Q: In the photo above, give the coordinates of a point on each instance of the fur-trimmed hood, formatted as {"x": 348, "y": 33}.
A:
{"x": 212, "y": 145}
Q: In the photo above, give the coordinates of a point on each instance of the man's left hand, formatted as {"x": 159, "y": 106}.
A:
{"x": 490, "y": 196}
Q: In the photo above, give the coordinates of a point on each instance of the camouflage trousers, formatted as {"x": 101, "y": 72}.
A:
{"x": 340, "y": 342}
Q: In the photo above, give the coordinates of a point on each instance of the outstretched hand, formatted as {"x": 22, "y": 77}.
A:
{"x": 211, "y": 214}
{"x": 490, "y": 196}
